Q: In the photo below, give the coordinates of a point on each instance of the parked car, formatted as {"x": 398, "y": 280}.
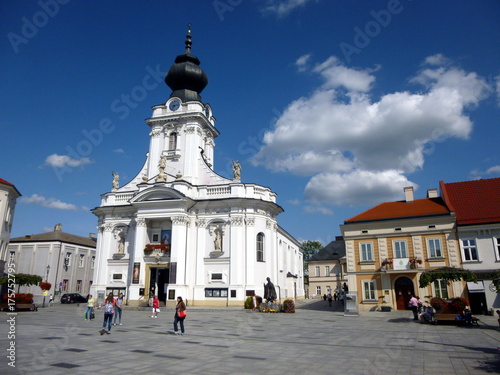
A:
{"x": 73, "y": 298}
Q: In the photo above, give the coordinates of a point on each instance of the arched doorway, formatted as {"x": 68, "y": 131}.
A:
{"x": 404, "y": 290}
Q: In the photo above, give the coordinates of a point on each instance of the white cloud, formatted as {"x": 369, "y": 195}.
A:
{"x": 497, "y": 81}
{"x": 337, "y": 75}
{"x": 495, "y": 169}
{"x": 282, "y": 7}
{"x": 47, "y": 202}
{"x": 119, "y": 151}
{"x": 358, "y": 150}
{"x": 437, "y": 59}
{"x": 302, "y": 62}
{"x": 318, "y": 209}
{"x": 59, "y": 161}
{"x": 294, "y": 202}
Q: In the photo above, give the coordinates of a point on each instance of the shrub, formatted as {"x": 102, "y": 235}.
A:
{"x": 289, "y": 306}
{"x": 458, "y": 304}
{"x": 20, "y": 297}
{"x": 438, "y": 304}
{"x": 45, "y": 286}
{"x": 248, "y": 303}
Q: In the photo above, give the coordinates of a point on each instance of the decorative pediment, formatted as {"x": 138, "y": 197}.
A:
{"x": 157, "y": 193}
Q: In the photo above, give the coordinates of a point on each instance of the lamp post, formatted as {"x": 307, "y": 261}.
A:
{"x": 46, "y": 280}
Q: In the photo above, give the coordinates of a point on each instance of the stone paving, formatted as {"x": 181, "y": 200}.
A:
{"x": 317, "y": 339}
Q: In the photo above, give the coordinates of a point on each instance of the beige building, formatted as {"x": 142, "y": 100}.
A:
{"x": 327, "y": 270}
{"x": 390, "y": 245}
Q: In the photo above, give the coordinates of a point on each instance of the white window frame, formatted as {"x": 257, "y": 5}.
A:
{"x": 496, "y": 245}
{"x": 68, "y": 257}
{"x": 440, "y": 286}
{"x": 81, "y": 261}
{"x": 468, "y": 249}
{"x": 396, "y": 247}
{"x": 260, "y": 246}
{"x": 92, "y": 262}
{"x": 364, "y": 249}
{"x": 429, "y": 249}
{"x": 172, "y": 141}
{"x": 369, "y": 290}
{"x": 327, "y": 270}
{"x": 318, "y": 289}
{"x": 317, "y": 271}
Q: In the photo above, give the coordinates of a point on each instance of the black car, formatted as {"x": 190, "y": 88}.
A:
{"x": 73, "y": 298}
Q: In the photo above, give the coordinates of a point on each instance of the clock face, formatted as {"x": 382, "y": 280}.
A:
{"x": 174, "y": 105}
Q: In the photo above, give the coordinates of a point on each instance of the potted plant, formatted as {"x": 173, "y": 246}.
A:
{"x": 289, "y": 306}
{"x": 387, "y": 262}
{"x": 438, "y": 304}
{"x": 414, "y": 262}
{"x": 458, "y": 304}
{"x": 384, "y": 307}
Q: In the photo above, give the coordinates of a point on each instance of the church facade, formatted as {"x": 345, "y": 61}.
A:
{"x": 180, "y": 229}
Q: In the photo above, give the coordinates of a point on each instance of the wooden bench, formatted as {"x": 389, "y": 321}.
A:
{"x": 453, "y": 318}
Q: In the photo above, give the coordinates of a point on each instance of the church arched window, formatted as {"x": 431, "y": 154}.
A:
{"x": 260, "y": 247}
{"x": 172, "y": 142}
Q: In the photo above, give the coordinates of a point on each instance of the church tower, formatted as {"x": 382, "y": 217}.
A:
{"x": 179, "y": 228}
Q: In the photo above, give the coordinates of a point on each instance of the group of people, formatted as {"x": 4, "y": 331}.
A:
{"x": 113, "y": 312}
{"x": 331, "y": 298}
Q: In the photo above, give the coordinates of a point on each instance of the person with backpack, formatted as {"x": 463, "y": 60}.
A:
{"x": 109, "y": 311}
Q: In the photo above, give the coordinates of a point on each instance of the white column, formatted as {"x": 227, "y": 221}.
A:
{"x": 140, "y": 241}
{"x": 239, "y": 268}
{"x": 178, "y": 253}
{"x": 155, "y": 150}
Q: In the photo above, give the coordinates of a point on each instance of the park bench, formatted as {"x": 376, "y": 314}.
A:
{"x": 453, "y": 318}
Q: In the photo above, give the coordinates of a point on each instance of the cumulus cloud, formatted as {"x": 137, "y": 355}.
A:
{"x": 302, "y": 62}
{"x": 47, "y": 202}
{"x": 437, "y": 59}
{"x": 358, "y": 150}
{"x": 493, "y": 170}
{"x": 282, "y": 8}
{"x": 60, "y": 161}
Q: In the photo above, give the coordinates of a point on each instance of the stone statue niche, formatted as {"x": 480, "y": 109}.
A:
{"x": 120, "y": 234}
{"x": 217, "y": 234}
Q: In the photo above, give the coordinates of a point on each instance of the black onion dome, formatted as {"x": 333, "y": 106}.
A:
{"x": 185, "y": 77}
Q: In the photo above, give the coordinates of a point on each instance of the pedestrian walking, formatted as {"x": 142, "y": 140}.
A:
{"x": 119, "y": 309}
{"x": 89, "y": 312}
{"x": 109, "y": 310}
{"x": 329, "y": 300}
{"x": 51, "y": 300}
{"x": 180, "y": 315}
{"x": 156, "y": 307}
{"x": 413, "y": 305}
{"x": 324, "y": 298}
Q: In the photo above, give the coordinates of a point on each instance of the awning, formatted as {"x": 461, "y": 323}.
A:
{"x": 475, "y": 287}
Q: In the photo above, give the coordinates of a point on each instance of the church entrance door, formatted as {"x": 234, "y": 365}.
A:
{"x": 404, "y": 290}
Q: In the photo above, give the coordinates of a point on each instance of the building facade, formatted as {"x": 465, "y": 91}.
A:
{"x": 327, "y": 270}
{"x": 390, "y": 245}
{"x": 8, "y": 198}
{"x": 64, "y": 260}
{"x": 180, "y": 229}
{"x": 476, "y": 205}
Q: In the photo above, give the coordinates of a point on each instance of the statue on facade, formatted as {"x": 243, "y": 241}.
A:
{"x": 236, "y": 170}
{"x": 218, "y": 241}
{"x": 120, "y": 238}
{"x": 161, "y": 169}
{"x": 116, "y": 182}
{"x": 269, "y": 291}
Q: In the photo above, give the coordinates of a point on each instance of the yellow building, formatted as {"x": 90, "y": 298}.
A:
{"x": 390, "y": 245}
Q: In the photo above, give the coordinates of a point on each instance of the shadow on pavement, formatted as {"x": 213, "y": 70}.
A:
{"x": 321, "y": 305}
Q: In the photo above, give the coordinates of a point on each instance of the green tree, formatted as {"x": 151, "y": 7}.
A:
{"x": 21, "y": 279}
{"x": 309, "y": 248}
{"x": 446, "y": 273}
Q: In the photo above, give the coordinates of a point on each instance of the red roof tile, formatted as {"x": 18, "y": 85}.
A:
{"x": 2, "y": 181}
{"x": 403, "y": 209}
{"x": 474, "y": 202}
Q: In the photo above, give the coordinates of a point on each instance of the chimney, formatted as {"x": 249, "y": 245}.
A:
{"x": 58, "y": 228}
{"x": 432, "y": 193}
{"x": 409, "y": 194}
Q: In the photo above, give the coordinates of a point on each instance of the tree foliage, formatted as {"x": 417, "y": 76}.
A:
{"x": 21, "y": 279}
{"x": 310, "y": 248}
{"x": 447, "y": 274}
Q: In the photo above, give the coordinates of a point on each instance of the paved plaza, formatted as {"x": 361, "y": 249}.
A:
{"x": 317, "y": 339}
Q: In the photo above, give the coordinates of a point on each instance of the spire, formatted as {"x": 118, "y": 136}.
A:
{"x": 185, "y": 77}
{"x": 188, "y": 41}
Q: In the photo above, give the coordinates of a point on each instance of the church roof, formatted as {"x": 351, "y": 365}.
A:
{"x": 474, "y": 202}
{"x": 333, "y": 251}
{"x": 56, "y": 236}
{"x": 402, "y": 209}
{"x": 5, "y": 182}
{"x": 185, "y": 77}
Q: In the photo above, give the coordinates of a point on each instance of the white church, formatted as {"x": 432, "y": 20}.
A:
{"x": 180, "y": 229}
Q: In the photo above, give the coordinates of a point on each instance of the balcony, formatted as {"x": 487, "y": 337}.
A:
{"x": 400, "y": 264}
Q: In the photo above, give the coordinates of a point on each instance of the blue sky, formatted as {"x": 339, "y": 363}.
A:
{"x": 335, "y": 105}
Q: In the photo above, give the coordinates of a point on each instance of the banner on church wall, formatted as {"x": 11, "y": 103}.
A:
{"x": 137, "y": 273}
{"x": 166, "y": 238}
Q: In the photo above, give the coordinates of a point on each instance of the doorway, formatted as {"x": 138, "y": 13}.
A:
{"x": 404, "y": 290}
{"x": 158, "y": 282}
{"x": 478, "y": 303}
